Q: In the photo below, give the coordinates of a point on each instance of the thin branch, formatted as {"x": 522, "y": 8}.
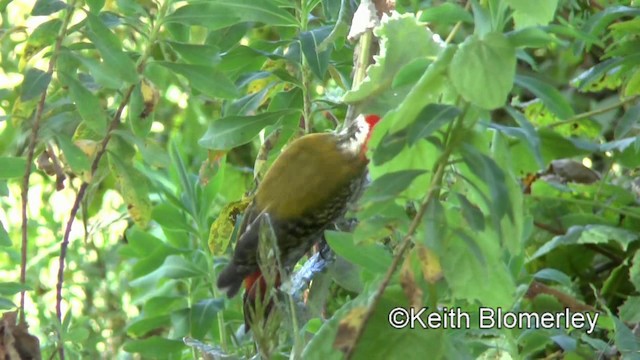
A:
{"x": 83, "y": 188}
{"x": 433, "y": 193}
{"x": 30, "y": 152}
{"x": 595, "y": 112}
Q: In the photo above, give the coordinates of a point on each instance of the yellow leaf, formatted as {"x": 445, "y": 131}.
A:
{"x": 430, "y": 264}
{"x": 222, "y": 228}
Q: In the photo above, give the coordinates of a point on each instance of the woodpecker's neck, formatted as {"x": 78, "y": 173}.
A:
{"x": 354, "y": 139}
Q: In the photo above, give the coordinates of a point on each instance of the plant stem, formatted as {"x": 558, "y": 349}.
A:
{"x": 433, "y": 193}
{"x": 595, "y": 112}
{"x": 30, "y": 153}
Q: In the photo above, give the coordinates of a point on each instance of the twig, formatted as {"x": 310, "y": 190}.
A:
{"x": 434, "y": 191}
{"x": 30, "y": 152}
{"x": 591, "y": 113}
{"x": 457, "y": 26}
{"x": 76, "y": 204}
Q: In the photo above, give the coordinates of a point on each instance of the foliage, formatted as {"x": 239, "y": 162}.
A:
{"x": 135, "y": 128}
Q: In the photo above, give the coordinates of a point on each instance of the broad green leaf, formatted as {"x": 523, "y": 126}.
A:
{"x": 169, "y": 217}
{"x": 177, "y": 267}
{"x": 34, "y": 84}
{"x": 203, "y": 316}
{"x": 6, "y": 304}
{"x": 220, "y": 14}
{"x": 530, "y": 37}
{"x": 390, "y": 146}
{"x": 550, "y": 96}
{"x": 76, "y": 158}
{"x": 589, "y": 234}
{"x": 390, "y": 185}
{"x": 371, "y": 257}
{"x": 634, "y": 271}
{"x": 206, "y": 79}
{"x": 471, "y": 213}
{"x": 446, "y": 13}
{"x": 143, "y": 326}
{"x": 4, "y": 236}
{"x": 196, "y": 54}
{"x": 47, "y": 7}
{"x": 12, "y": 288}
{"x": 88, "y": 105}
{"x": 629, "y": 310}
{"x": 12, "y": 167}
{"x": 309, "y": 42}
{"x": 104, "y": 75}
{"x": 627, "y": 121}
{"x": 626, "y": 341}
{"x": 430, "y": 119}
{"x": 493, "y": 177}
{"x": 529, "y": 134}
{"x": 133, "y": 186}
{"x": 44, "y": 35}
{"x": 531, "y": 13}
{"x": 155, "y": 347}
{"x": 553, "y": 275}
{"x": 110, "y": 47}
{"x": 232, "y": 131}
{"x": 483, "y": 69}
{"x": 375, "y": 93}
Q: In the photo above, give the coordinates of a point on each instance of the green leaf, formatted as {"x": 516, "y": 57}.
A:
{"x": 133, "y": 187}
{"x": 471, "y": 213}
{"x": 4, "y": 236}
{"x": 197, "y": 54}
{"x": 88, "y": 105}
{"x": 589, "y": 234}
{"x": 629, "y": 310}
{"x": 44, "y": 35}
{"x": 12, "y": 167}
{"x": 634, "y": 271}
{"x": 550, "y": 96}
{"x": 309, "y": 41}
{"x": 531, "y": 37}
{"x": 430, "y": 119}
{"x": 390, "y": 185}
{"x": 553, "y": 275}
{"x": 532, "y": 13}
{"x": 626, "y": 341}
{"x": 390, "y": 146}
{"x": 12, "y": 288}
{"x": 6, "y": 304}
{"x": 220, "y": 14}
{"x": 628, "y": 120}
{"x": 110, "y": 47}
{"x": 483, "y": 69}
{"x": 104, "y": 75}
{"x": 177, "y": 267}
{"x": 206, "y": 79}
{"x": 141, "y": 327}
{"x": 232, "y": 131}
{"x": 34, "y": 84}
{"x": 47, "y": 7}
{"x": 486, "y": 169}
{"x": 76, "y": 158}
{"x": 169, "y": 217}
{"x": 375, "y": 93}
{"x": 447, "y": 13}
{"x": 371, "y": 257}
{"x": 155, "y": 347}
{"x": 203, "y": 316}
{"x": 529, "y": 134}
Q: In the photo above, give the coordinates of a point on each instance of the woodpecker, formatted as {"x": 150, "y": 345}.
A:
{"x": 306, "y": 189}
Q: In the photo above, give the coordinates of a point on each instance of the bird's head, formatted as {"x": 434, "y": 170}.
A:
{"x": 356, "y": 136}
